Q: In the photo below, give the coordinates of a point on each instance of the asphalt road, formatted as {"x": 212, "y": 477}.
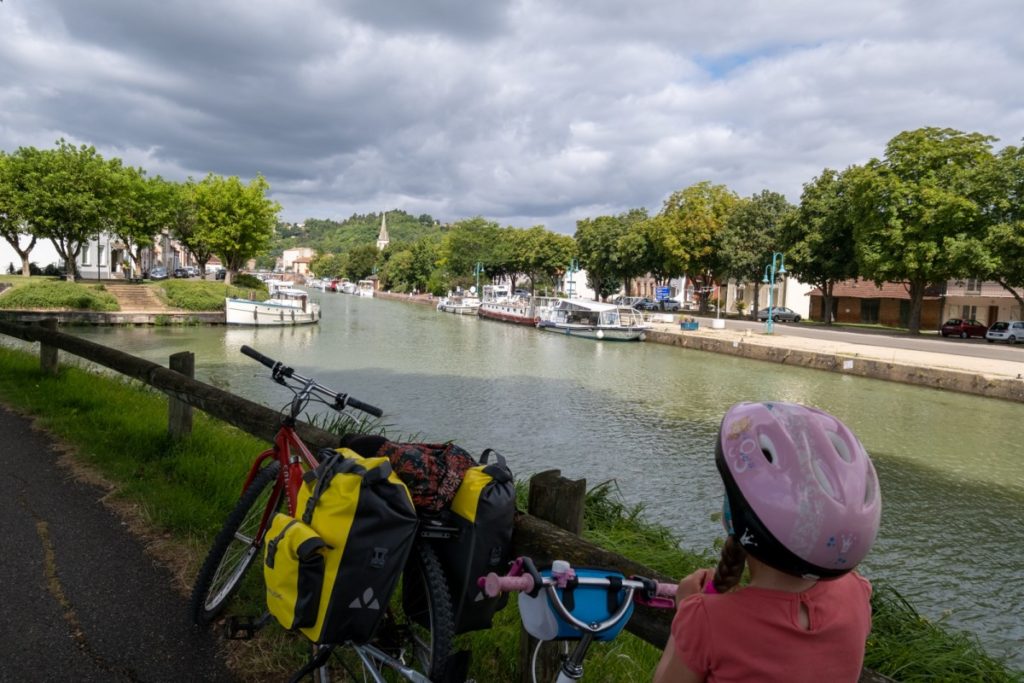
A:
{"x": 978, "y": 348}
{"x": 81, "y": 601}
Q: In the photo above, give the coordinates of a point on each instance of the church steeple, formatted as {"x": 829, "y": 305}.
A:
{"x": 382, "y": 239}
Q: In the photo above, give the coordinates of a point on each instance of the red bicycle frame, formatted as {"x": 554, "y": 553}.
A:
{"x": 290, "y": 452}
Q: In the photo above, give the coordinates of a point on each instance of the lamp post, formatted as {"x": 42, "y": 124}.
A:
{"x": 570, "y": 282}
{"x": 770, "y": 270}
{"x": 477, "y": 269}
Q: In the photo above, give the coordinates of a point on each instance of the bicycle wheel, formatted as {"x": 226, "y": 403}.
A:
{"x": 234, "y": 549}
{"x": 417, "y": 636}
{"x": 428, "y": 613}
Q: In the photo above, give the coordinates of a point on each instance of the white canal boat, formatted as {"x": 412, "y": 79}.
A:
{"x": 286, "y": 306}
{"x": 594, "y": 320}
{"x": 459, "y": 304}
{"x": 364, "y": 288}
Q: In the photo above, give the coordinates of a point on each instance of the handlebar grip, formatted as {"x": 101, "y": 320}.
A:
{"x": 365, "y": 407}
{"x": 494, "y": 584}
{"x": 667, "y": 590}
{"x": 256, "y": 355}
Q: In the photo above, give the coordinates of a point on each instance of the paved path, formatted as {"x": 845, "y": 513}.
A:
{"x": 863, "y": 348}
{"x": 81, "y": 600}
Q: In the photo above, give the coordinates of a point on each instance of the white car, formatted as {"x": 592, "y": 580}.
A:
{"x": 1008, "y": 331}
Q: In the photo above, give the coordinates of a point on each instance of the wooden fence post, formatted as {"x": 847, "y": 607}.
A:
{"x": 47, "y": 353}
{"x": 560, "y": 501}
{"x": 179, "y": 413}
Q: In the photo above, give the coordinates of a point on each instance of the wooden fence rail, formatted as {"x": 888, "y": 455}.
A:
{"x": 532, "y": 536}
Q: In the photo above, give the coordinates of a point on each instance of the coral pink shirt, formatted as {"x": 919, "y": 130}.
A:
{"x": 754, "y": 634}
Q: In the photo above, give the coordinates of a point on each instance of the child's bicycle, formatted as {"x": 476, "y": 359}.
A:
{"x": 415, "y": 643}
{"x": 582, "y": 605}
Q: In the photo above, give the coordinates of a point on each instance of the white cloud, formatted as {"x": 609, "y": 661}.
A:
{"x": 525, "y": 112}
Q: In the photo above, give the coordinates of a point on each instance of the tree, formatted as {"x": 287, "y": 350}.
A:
{"x": 183, "y": 224}
{"x": 597, "y": 241}
{"x": 919, "y": 212}
{"x": 361, "y": 261}
{"x": 328, "y": 265}
{"x": 750, "y": 237}
{"x": 550, "y": 256}
{"x": 1004, "y": 238}
{"x": 235, "y": 220}
{"x": 468, "y": 243}
{"x": 12, "y": 225}
{"x": 689, "y": 223}
{"x": 818, "y": 237}
{"x": 146, "y": 207}
{"x": 69, "y": 195}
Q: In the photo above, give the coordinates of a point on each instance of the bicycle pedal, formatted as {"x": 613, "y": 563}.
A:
{"x": 243, "y": 628}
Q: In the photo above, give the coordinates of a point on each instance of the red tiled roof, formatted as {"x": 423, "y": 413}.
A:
{"x": 866, "y": 289}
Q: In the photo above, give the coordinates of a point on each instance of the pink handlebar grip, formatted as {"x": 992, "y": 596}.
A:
{"x": 663, "y": 599}
{"x": 494, "y": 584}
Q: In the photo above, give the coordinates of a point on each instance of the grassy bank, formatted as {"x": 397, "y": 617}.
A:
{"x": 184, "y": 490}
{"x": 51, "y": 293}
{"x": 207, "y": 295}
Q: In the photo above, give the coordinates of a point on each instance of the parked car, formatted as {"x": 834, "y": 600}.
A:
{"x": 963, "y": 328}
{"x": 780, "y": 314}
{"x": 652, "y": 305}
{"x": 221, "y": 273}
{"x": 180, "y": 272}
{"x": 158, "y": 273}
{"x": 1011, "y": 331}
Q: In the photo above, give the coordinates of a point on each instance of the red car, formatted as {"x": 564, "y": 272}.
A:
{"x": 959, "y": 327}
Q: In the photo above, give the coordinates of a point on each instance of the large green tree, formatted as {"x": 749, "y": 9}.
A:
{"x": 919, "y": 211}
{"x": 362, "y": 260}
{"x": 183, "y": 224}
{"x": 146, "y": 208}
{"x": 1004, "y": 236}
{"x": 598, "y": 243}
{"x": 689, "y": 223}
{"x": 818, "y": 238}
{"x": 235, "y": 220}
{"x": 749, "y": 238}
{"x": 69, "y": 195}
{"x": 467, "y": 243}
{"x": 12, "y": 225}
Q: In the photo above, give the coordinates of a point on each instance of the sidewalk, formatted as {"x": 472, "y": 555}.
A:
{"x": 968, "y": 374}
{"x": 83, "y": 601}
{"x": 925, "y": 359}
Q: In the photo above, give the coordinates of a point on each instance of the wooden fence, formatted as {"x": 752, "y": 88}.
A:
{"x": 548, "y": 531}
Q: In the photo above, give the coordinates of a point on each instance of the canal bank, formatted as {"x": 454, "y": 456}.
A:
{"x": 950, "y": 372}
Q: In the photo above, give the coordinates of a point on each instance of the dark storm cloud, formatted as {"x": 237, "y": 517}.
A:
{"x": 524, "y": 111}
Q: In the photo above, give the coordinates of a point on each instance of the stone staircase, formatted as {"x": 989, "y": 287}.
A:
{"x": 136, "y": 298}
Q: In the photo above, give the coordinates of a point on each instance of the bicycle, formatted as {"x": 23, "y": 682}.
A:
{"x": 422, "y": 633}
{"x": 554, "y": 619}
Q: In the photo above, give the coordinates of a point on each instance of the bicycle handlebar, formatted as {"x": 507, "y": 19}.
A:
{"x": 280, "y": 371}
{"x": 523, "y": 577}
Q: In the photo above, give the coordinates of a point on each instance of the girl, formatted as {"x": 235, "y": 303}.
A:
{"x": 801, "y": 508}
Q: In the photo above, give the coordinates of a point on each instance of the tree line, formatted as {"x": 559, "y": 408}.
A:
{"x": 71, "y": 194}
{"x": 940, "y": 204}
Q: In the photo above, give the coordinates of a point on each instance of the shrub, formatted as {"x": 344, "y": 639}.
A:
{"x": 58, "y": 294}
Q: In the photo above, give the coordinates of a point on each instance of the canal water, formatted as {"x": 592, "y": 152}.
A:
{"x": 646, "y": 416}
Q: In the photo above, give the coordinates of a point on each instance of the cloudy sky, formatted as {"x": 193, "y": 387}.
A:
{"x": 523, "y": 111}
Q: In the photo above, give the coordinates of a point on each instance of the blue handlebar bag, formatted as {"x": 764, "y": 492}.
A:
{"x": 589, "y": 604}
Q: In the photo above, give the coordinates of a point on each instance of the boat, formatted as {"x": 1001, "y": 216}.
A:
{"x": 499, "y": 304}
{"x": 364, "y": 288}
{"x": 347, "y": 287}
{"x": 460, "y": 304}
{"x": 594, "y": 320}
{"x": 286, "y": 306}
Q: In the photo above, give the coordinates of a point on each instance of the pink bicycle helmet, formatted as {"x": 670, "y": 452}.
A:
{"x": 801, "y": 491}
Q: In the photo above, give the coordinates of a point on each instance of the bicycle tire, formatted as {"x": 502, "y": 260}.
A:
{"x": 420, "y": 638}
{"x": 236, "y": 546}
{"x": 430, "y": 617}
